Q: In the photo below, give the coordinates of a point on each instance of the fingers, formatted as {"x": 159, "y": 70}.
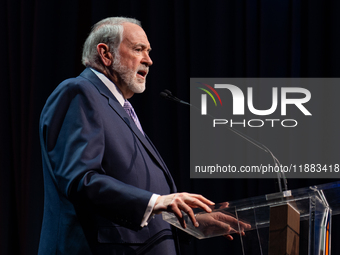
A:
{"x": 245, "y": 225}
{"x": 190, "y": 213}
{"x": 177, "y": 206}
{"x": 232, "y": 221}
{"x": 198, "y": 201}
{"x": 179, "y": 216}
{"x": 185, "y": 202}
{"x": 178, "y": 202}
{"x": 222, "y": 205}
{"x": 200, "y": 198}
{"x": 229, "y": 237}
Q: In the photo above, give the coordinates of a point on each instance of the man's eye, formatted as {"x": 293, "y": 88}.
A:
{"x": 138, "y": 49}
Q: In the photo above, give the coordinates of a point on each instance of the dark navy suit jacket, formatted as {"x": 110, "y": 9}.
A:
{"x": 99, "y": 174}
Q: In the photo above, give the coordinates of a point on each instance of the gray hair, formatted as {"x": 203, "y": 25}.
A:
{"x": 108, "y": 31}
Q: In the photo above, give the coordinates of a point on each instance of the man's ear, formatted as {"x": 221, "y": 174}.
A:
{"x": 105, "y": 54}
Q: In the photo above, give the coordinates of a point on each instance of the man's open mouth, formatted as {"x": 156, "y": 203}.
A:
{"x": 142, "y": 73}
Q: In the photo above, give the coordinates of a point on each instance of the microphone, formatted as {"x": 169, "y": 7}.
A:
{"x": 165, "y": 95}
{"x": 280, "y": 175}
{"x": 168, "y": 95}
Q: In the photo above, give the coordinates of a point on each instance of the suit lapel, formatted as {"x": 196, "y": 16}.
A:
{"x": 115, "y": 105}
{"x": 146, "y": 142}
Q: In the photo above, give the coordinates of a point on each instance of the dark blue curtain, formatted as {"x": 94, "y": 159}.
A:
{"x": 41, "y": 44}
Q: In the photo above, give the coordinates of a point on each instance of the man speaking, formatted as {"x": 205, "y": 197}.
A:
{"x": 105, "y": 183}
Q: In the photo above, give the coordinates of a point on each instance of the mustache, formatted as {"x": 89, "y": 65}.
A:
{"x": 143, "y": 68}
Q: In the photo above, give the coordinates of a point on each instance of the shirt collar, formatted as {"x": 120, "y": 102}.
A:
{"x": 111, "y": 86}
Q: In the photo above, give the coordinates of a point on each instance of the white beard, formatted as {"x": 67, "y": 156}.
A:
{"x": 128, "y": 76}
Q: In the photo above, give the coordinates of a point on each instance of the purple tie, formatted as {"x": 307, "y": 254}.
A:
{"x": 131, "y": 112}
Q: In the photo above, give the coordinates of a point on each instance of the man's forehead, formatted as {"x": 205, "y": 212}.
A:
{"x": 134, "y": 34}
